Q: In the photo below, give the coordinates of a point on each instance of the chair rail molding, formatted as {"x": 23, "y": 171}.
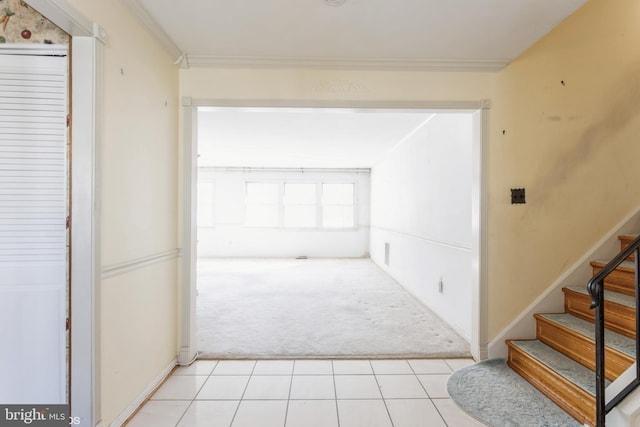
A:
{"x": 135, "y": 264}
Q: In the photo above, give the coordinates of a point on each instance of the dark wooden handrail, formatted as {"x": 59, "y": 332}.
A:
{"x": 595, "y": 286}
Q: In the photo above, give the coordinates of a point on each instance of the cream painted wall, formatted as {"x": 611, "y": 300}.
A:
{"x": 138, "y": 334}
{"x": 328, "y": 85}
{"x": 138, "y": 206}
{"x": 570, "y": 111}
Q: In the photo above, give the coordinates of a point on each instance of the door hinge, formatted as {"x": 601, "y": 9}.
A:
{"x": 68, "y": 222}
{"x": 68, "y": 324}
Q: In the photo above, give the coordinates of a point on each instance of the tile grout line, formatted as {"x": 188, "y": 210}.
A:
{"x": 420, "y": 382}
{"x": 425, "y": 390}
{"x": 335, "y": 391}
{"x": 185, "y": 413}
{"x": 447, "y": 363}
{"x": 439, "y": 413}
{"x": 449, "y": 398}
{"x": 197, "y": 392}
{"x": 384, "y": 401}
{"x": 286, "y": 412}
{"x": 255, "y": 362}
{"x": 430, "y": 398}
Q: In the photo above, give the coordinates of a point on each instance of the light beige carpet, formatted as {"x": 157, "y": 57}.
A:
{"x": 315, "y": 308}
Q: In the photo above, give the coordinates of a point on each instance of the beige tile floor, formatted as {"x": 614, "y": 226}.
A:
{"x": 307, "y": 393}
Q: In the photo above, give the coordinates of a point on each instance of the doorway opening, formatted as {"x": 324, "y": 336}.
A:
{"x": 424, "y": 153}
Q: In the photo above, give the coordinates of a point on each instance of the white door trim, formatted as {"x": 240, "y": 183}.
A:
{"x": 188, "y": 350}
{"x": 86, "y": 82}
{"x": 479, "y": 233}
{"x": 479, "y": 330}
{"x": 85, "y": 231}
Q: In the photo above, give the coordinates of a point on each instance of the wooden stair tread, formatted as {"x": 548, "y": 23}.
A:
{"x": 613, "y": 340}
{"x": 569, "y": 369}
{"x": 629, "y": 236}
{"x": 611, "y": 296}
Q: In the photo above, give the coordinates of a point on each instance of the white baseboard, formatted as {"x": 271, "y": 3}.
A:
{"x": 551, "y": 300}
{"x": 133, "y": 407}
{"x": 483, "y": 353}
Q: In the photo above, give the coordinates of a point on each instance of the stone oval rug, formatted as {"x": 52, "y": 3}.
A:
{"x": 493, "y": 393}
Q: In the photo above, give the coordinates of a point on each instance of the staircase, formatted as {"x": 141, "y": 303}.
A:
{"x": 560, "y": 362}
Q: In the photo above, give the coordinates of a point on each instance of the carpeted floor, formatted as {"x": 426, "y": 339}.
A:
{"x": 496, "y": 395}
{"x": 315, "y": 308}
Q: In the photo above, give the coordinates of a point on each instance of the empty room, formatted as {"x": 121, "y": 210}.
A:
{"x": 334, "y": 233}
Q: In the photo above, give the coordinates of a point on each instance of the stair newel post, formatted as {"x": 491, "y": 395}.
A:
{"x": 600, "y": 381}
{"x": 596, "y": 290}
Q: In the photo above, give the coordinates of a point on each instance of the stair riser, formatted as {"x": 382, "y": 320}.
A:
{"x": 577, "y": 402}
{"x": 619, "y": 281}
{"x": 580, "y": 348}
{"x": 618, "y": 318}
{"x": 624, "y": 242}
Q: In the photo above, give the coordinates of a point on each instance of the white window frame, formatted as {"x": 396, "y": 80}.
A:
{"x": 319, "y": 226}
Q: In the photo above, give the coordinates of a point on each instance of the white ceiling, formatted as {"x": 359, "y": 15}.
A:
{"x": 458, "y": 34}
{"x": 301, "y": 138}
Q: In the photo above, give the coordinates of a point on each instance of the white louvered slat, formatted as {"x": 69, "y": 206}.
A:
{"x": 33, "y": 236}
{"x": 32, "y": 143}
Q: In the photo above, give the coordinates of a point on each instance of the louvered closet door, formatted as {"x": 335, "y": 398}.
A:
{"x": 33, "y": 198}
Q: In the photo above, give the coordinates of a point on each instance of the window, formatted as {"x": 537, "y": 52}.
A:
{"x": 299, "y": 205}
{"x": 262, "y": 204}
{"x": 337, "y": 205}
{"x": 311, "y": 205}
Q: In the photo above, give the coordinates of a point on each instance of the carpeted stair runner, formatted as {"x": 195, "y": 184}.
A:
{"x": 612, "y": 339}
{"x": 615, "y": 297}
{"x": 494, "y": 394}
{"x": 625, "y": 264}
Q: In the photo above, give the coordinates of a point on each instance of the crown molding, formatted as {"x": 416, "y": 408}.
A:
{"x": 203, "y": 61}
{"x": 348, "y": 64}
{"x": 143, "y": 16}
